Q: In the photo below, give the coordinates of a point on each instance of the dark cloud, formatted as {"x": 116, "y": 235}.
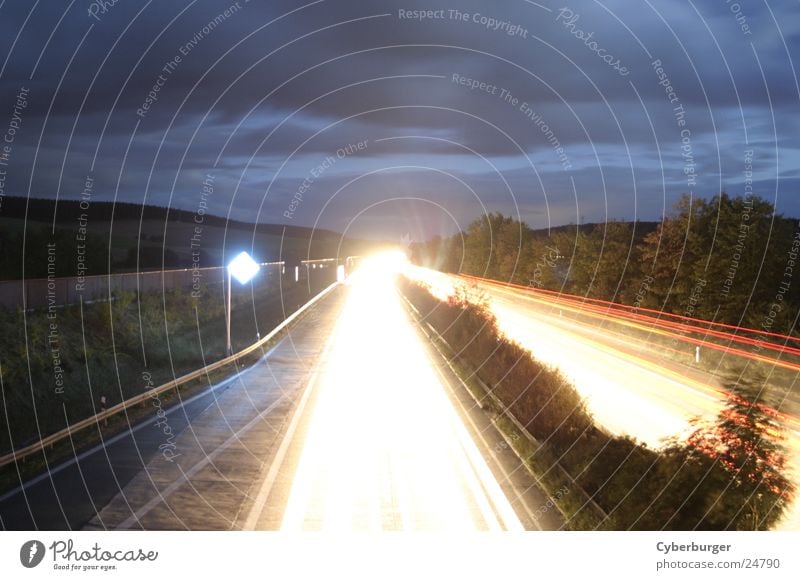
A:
{"x": 266, "y": 91}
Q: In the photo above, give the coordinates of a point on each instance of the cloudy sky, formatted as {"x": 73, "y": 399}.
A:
{"x": 552, "y": 112}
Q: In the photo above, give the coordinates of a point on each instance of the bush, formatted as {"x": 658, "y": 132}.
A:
{"x": 104, "y": 347}
{"x": 728, "y": 475}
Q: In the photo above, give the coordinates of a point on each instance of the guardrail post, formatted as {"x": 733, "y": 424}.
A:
{"x": 103, "y": 409}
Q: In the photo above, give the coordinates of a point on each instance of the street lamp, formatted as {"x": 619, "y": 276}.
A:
{"x": 243, "y": 268}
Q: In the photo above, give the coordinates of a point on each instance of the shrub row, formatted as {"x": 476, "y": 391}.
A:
{"x": 737, "y": 483}
{"x": 56, "y": 365}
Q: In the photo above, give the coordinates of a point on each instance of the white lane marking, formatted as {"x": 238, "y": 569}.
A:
{"x": 277, "y": 463}
{"x": 506, "y": 512}
{"x": 494, "y": 492}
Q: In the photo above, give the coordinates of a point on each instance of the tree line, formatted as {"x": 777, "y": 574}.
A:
{"x": 728, "y": 259}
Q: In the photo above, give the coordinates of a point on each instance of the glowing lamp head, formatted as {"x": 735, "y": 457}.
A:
{"x": 243, "y": 268}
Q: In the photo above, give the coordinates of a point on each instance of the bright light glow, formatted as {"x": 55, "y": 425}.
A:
{"x": 384, "y": 265}
{"x": 385, "y": 449}
{"x": 626, "y": 394}
{"x": 624, "y": 388}
{"x": 243, "y": 268}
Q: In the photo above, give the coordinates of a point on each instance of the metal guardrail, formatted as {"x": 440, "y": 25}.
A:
{"x": 39, "y": 446}
{"x": 504, "y": 411}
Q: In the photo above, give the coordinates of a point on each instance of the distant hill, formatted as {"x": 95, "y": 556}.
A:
{"x": 642, "y": 228}
{"x": 127, "y": 237}
{"x": 43, "y": 210}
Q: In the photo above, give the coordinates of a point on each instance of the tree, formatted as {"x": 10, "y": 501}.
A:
{"x": 605, "y": 258}
{"x": 543, "y": 263}
{"x": 750, "y": 488}
{"x": 669, "y": 253}
{"x": 734, "y": 233}
{"x": 493, "y": 246}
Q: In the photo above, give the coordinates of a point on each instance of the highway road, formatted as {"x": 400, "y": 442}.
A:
{"x": 221, "y": 439}
{"x": 351, "y": 422}
{"x": 385, "y": 449}
{"x": 626, "y": 392}
{"x": 392, "y": 440}
{"x": 628, "y": 388}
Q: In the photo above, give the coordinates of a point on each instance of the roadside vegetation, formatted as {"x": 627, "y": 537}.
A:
{"x": 723, "y": 259}
{"x": 57, "y": 365}
{"x": 727, "y": 475}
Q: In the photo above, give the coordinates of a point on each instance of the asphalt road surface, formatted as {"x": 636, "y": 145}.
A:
{"x": 351, "y": 422}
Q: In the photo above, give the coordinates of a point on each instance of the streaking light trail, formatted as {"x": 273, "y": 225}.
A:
{"x": 628, "y": 388}
{"x": 385, "y": 449}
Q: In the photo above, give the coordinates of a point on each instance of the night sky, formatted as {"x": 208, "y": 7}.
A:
{"x": 384, "y": 118}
